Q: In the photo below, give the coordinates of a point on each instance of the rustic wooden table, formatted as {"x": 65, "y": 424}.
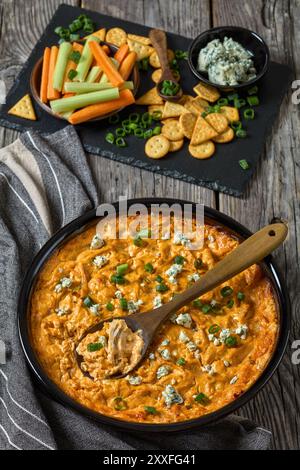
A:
{"x": 274, "y": 191}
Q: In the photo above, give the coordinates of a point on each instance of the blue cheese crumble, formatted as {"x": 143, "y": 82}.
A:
{"x": 162, "y": 371}
{"x": 183, "y": 338}
{"x": 165, "y": 354}
{"x": 184, "y": 319}
{"x": 64, "y": 283}
{"x": 134, "y": 306}
{"x": 181, "y": 239}
{"x": 100, "y": 261}
{"x": 134, "y": 379}
{"x": 171, "y": 396}
{"x": 97, "y": 242}
{"x": 242, "y": 331}
{"x": 227, "y": 63}
{"x": 193, "y": 277}
{"x": 173, "y": 271}
{"x": 157, "y": 301}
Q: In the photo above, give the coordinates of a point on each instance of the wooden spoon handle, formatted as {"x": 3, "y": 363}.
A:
{"x": 251, "y": 251}
{"x": 159, "y": 41}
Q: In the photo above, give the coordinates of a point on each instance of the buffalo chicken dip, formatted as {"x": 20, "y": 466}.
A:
{"x": 204, "y": 357}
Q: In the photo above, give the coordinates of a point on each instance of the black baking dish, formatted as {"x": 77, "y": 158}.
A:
{"x": 78, "y": 225}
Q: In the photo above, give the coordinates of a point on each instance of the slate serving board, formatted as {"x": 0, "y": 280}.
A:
{"x": 221, "y": 172}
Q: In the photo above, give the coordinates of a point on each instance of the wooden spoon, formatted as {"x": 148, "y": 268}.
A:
{"x": 249, "y": 252}
{"x": 159, "y": 41}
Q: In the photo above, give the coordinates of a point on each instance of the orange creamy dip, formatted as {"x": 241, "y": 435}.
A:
{"x": 202, "y": 359}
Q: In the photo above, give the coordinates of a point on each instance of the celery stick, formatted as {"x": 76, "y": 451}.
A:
{"x": 75, "y": 87}
{"x": 127, "y": 86}
{"x": 64, "y": 51}
{"x": 104, "y": 78}
{"x": 94, "y": 74}
{"x": 85, "y": 60}
{"x": 64, "y": 105}
{"x": 66, "y": 115}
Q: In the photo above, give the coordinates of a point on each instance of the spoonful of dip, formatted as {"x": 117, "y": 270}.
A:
{"x": 114, "y": 347}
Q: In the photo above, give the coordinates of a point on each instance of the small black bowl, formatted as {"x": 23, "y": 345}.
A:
{"x": 250, "y": 40}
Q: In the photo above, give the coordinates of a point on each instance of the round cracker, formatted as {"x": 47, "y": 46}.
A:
{"x": 187, "y": 123}
{"x": 154, "y": 60}
{"x": 225, "y": 137}
{"x": 175, "y": 145}
{"x": 172, "y": 130}
{"x": 202, "y": 151}
{"x": 157, "y": 146}
{"x": 156, "y": 75}
{"x": 116, "y": 36}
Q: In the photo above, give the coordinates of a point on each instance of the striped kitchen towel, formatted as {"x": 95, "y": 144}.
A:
{"x": 45, "y": 182}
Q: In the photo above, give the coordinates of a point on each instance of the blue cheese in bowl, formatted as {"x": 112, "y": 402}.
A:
{"x": 227, "y": 62}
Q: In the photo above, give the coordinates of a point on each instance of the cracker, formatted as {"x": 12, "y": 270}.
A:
{"x": 185, "y": 99}
{"x": 202, "y": 151}
{"x": 23, "y": 109}
{"x": 207, "y": 92}
{"x": 150, "y": 97}
{"x": 172, "y": 130}
{"x": 225, "y": 137}
{"x": 173, "y": 110}
{"x": 154, "y": 60}
{"x": 156, "y": 107}
{"x": 231, "y": 113}
{"x": 99, "y": 34}
{"x": 199, "y": 104}
{"x": 218, "y": 122}
{"x": 157, "y": 146}
{"x": 187, "y": 123}
{"x": 175, "y": 145}
{"x": 142, "y": 39}
{"x": 142, "y": 51}
{"x": 156, "y": 75}
{"x": 190, "y": 108}
{"x": 202, "y": 132}
{"x": 116, "y": 36}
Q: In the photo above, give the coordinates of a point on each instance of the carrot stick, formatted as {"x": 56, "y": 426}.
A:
{"x": 96, "y": 110}
{"x": 127, "y": 65}
{"x": 45, "y": 74}
{"x": 106, "y": 49}
{"x": 121, "y": 53}
{"x": 51, "y": 93}
{"x": 71, "y": 65}
{"x": 105, "y": 63}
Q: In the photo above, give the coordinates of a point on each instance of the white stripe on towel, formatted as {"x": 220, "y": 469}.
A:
{"x": 54, "y": 174}
{"x": 18, "y": 404}
{"x": 19, "y": 197}
{"x": 8, "y": 438}
{"x": 23, "y": 430}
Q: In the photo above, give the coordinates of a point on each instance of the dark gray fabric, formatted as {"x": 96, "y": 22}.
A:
{"x": 28, "y": 418}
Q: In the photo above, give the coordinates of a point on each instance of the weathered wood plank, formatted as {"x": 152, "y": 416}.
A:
{"x": 274, "y": 191}
{"x": 131, "y": 181}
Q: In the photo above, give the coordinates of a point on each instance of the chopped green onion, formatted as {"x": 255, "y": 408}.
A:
{"x": 233, "y": 97}
{"x": 179, "y": 259}
{"x": 88, "y": 302}
{"x": 226, "y": 291}
{"x": 230, "y": 341}
{"x": 179, "y": 54}
{"x": 206, "y": 308}
{"x": 138, "y": 241}
{"x": 214, "y": 329}
{"x": 117, "y": 279}
{"x": 148, "y": 134}
{"x": 253, "y": 90}
{"x": 230, "y": 303}
{"x": 110, "y": 306}
{"x": 120, "y": 142}
{"x": 159, "y": 279}
{"x": 110, "y": 138}
{"x": 123, "y": 304}
{"x": 197, "y": 303}
{"x": 202, "y": 398}
{"x": 181, "y": 361}
{"x": 114, "y": 119}
{"x": 198, "y": 263}
{"x": 253, "y": 100}
{"x": 161, "y": 287}
{"x": 72, "y": 74}
{"x": 249, "y": 113}
{"x": 149, "y": 268}
{"x": 144, "y": 64}
{"x": 122, "y": 269}
{"x": 74, "y": 37}
{"x": 92, "y": 347}
{"x": 120, "y": 403}
{"x": 222, "y": 102}
{"x": 244, "y": 164}
{"x": 240, "y": 296}
{"x": 241, "y": 133}
{"x": 156, "y": 115}
{"x": 125, "y": 122}
{"x": 236, "y": 125}
{"x": 169, "y": 88}
{"x": 75, "y": 56}
{"x": 151, "y": 410}
{"x": 156, "y": 130}
{"x": 139, "y": 132}
{"x": 239, "y": 103}
{"x": 174, "y": 64}
{"x": 134, "y": 117}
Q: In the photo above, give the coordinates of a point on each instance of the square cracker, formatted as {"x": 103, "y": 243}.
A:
{"x": 202, "y": 132}
{"x": 207, "y": 92}
{"x": 137, "y": 38}
{"x": 23, "y": 109}
{"x": 142, "y": 50}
